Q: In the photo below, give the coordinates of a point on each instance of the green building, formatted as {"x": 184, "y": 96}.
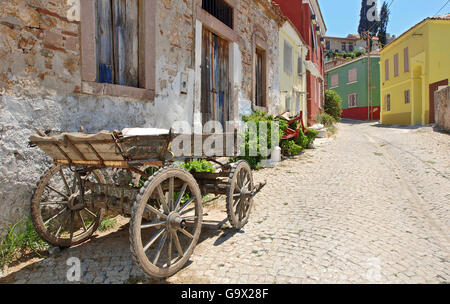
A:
{"x": 350, "y": 80}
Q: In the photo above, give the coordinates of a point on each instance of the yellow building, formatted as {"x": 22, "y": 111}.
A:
{"x": 293, "y": 52}
{"x": 413, "y": 67}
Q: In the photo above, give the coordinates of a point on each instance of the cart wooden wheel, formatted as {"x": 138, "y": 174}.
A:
{"x": 59, "y": 210}
{"x": 166, "y": 222}
{"x": 239, "y": 194}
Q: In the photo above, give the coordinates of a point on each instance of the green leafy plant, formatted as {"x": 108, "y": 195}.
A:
{"x": 107, "y": 224}
{"x": 289, "y": 147}
{"x": 21, "y": 240}
{"x": 302, "y": 140}
{"x": 333, "y": 104}
{"x": 311, "y": 135}
{"x": 252, "y": 140}
{"x": 200, "y": 165}
{"x": 325, "y": 119}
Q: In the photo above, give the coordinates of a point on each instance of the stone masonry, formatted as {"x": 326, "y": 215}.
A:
{"x": 442, "y": 103}
{"x": 42, "y": 84}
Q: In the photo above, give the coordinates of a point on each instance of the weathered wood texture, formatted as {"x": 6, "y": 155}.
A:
{"x": 215, "y": 79}
{"x": 118, "y": 42}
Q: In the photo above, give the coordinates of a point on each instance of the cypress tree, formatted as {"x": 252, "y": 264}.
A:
{"x": 384, "y": 20}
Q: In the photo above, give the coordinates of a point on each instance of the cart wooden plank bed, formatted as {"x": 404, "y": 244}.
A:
{"x": 163, "y": 200}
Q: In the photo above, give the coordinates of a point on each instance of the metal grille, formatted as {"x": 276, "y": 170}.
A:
{"x": 219, "y": 9}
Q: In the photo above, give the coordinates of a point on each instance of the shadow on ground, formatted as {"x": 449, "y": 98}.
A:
{"x": 104, "y": 255}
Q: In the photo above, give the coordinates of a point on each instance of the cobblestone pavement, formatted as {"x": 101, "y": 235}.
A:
{"x": 371, "y": 205}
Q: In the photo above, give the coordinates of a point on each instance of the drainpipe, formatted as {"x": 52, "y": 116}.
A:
{"x": 253, "y": 97}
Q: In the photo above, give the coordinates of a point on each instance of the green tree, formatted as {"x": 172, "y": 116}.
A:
{"x": 367, "y": 26}
{"x": 384, "y": 20}
{"x": 333, "y": 104}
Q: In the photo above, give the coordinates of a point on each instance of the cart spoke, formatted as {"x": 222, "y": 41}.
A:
{"x": 246, "y": 184}
{"x": 177, "y": 244}
{"x": 155, "y": 211}
{"x": 82, "y": 220}
{"x": 180, "y": 196}
{"x": 54, "y": 203}
{"x": 154, "y": 238}
{"x": 55, "y": 216}
{"x": 57, "y": 191}
{"x": 152, "y": 225}
{"x": 193, "y": 217}
{"x": 185, "y": 205}
{"x": 62, "y": 224}
{"x": 72, "y": 220}
{"x": 186, "y": 233}
{"x": 242, "y": 178}
{"x": 238, "y": 180}
{"x": 239, "y": 207}
{"x": 90, "y": 212}
{"x": 162, "y": 241}
{"x": 65, "y": 181}
{"x": 171, "y": 180}
{"x": 237, "y": 201}
{"x": 169, "y": 250}
{"x": 162, "y": 198}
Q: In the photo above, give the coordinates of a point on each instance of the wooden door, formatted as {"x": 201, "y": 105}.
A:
{"x": 215, "y": 83}
{"x": 433, "y": 88}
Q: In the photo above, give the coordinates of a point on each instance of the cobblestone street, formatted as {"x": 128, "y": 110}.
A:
{"x": 370, "y": 205}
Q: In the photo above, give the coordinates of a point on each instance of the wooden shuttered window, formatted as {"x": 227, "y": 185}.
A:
{"x": 299, "y": 66}
{"x": 260, "y": 70}
{"x": 219, "y": 9}
{"x": 395, "y": 65}
{"x": 387, "y": 102}
{"x": 407, "y": 97}
{"x": 386, "y": 70}
{"x": 117, "y": 42}
{"x": 406, "y": 60}
{"x": 352, "y": 100}
{"x": 334, "y": 80}
{"x": 287, "y": 57}
{"x": 352, "y": 75}
{"x": 287, "y": 103}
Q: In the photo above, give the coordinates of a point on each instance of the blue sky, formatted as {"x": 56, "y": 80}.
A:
{"x": 342, "y": 16}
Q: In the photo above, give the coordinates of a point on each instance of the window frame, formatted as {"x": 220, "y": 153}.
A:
{"x": 388, "y": 102}
{"x": 89, "y": 84}
{"x": 287, "y": 46}
{"x": 356, "y": 76}
{"x": 260, "y": 49}
{"x": 215, "y": 25}
{"x": 231, "y": 6}
{"x": 287, "y": 103}
{"x": 407, "y": 96}
{"x": 386, "y": 70}
{"x": 300, "y": 65}
{"x": 331, "y": 81}
{"x": 355, "y": 95}
{"x": 406, "y": 60}
{"x": 396, "y": 65}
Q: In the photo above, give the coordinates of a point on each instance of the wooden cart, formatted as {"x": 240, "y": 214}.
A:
{"x": 163, "y": 200}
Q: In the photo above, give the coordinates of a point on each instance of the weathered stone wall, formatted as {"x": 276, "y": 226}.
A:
{"x": 442, "y": 102}
{"x": 40, "y": 80}
{"x": 254, "y": 21}
{"x": 40, "y": 83}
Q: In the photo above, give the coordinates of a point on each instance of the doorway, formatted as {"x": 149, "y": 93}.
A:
{"x": 215, "y": 78}
{"x": 433, "y": 88}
